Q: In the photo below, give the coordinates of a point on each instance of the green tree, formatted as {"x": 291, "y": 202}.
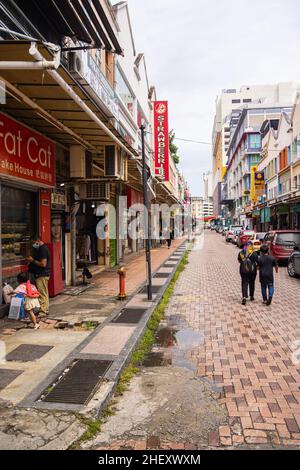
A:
{"x": 173, "y": 147}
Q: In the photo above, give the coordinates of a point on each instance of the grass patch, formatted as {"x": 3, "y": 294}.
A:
{"x": 89, "y": 325}
{"x": 148, "y": 340}
{"x": 93, "y": 427}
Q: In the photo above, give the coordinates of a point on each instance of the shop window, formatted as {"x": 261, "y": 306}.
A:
{"x": 17, "y": 228}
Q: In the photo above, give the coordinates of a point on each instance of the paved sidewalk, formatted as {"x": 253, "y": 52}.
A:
{"x": 104, "y": 289}
{"x": 246, "y": 353}
{"x": 27, "y": 371}
{"x": 100, "y": 299}
{"x": 248, "y": 350}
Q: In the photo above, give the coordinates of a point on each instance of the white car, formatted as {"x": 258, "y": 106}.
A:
{"x": 230, "y": 234}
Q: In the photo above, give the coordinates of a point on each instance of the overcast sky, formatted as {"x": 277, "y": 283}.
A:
{"x": 195, "y": 48}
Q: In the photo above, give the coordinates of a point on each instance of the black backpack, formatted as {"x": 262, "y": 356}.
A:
{"x": 247, "y": 266}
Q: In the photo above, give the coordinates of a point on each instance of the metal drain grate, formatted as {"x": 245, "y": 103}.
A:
{"x": 79, "y": 383}
{"x": 130, "y": 315}
{"x": 161, "y": 275}
{"x": 7, "y": 376}
{"x": 28, "y": 352}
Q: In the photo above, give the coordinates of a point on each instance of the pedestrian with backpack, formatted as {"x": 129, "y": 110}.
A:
{"x": 266, "y": 265}
{"x": 248, "y": 260}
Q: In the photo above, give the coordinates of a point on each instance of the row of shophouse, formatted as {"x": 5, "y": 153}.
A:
{"x": 74, "y": 93}
{"x": 258, "y": 185}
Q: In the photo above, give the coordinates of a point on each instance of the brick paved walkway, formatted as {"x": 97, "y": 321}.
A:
{"x": 247, "y": 350}
{"x": 135, "y": 270}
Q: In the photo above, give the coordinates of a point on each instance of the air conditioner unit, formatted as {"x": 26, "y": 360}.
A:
{"x": 97, "y": 191}
{"x": 76, "y": 62}
{"x": 115, "y": 163}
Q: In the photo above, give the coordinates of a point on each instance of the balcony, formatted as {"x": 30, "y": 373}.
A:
{"x": 87, "y": 70}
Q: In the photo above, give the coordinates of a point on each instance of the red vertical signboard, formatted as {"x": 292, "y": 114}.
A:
{"x": 161, "y": 140}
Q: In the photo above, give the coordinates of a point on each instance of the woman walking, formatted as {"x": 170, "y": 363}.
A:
{"x": 248, "y": 260}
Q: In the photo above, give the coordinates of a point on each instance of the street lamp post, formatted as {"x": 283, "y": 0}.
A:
{"x": 147, "y": 221}
{"x": 265, "y": 212}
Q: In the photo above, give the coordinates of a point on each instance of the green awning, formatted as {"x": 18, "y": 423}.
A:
{"x": 265, "y": 215}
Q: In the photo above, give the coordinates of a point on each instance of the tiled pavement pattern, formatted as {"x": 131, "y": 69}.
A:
{"x": 135, "y": 270}
{"x": 246, "y": 350}
{"x": 105, "y": 288}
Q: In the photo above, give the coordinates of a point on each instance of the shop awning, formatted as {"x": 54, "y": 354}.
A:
{"x": 34, "y": 98}
{"x": 84, "y": 20}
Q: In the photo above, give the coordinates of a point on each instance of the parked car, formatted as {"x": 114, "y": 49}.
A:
{"x": 293, "y": 267}
{"x": 236, "y": 236}
{"x": 230, "y": 233}
{"x": 244, "y": 237}
{"x": 282, "y": 242}
{"x": 257, "y": 240}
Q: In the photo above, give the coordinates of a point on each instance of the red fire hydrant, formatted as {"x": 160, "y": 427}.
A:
{"x": 122, "y": 276}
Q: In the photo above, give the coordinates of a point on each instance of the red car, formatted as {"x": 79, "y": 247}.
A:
{"x": 282, "y": 242}
{"x": 244, "y": 237}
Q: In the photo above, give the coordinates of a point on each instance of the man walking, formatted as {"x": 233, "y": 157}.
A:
{"x": 39, "y": 266}
{"x": 266, "y": 264}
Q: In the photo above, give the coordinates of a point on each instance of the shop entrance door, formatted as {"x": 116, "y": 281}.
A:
{"x": 19, "y": 222}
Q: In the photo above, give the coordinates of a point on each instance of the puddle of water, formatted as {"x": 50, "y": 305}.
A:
{"x": 175, "y": 342}
{"x": 174, "y": 348}
{"x": 165, "y": 337}
{"x": 188, "y": 339}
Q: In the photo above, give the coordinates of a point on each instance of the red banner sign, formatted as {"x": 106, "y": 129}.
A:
{"x": 25, "y": 154}
{"x": 161, "y": 140}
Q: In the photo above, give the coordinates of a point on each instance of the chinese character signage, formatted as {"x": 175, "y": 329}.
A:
{"x": 25, "y": 154}
{"x": 259, "y": 183}
{"x": 253, "y": 189}
{"x": 161, "y": 140}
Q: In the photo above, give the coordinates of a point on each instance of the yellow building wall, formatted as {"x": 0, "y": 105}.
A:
{"x": 218, "y": 168}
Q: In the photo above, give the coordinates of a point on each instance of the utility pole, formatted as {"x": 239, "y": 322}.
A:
{"x": 147, "y": 219}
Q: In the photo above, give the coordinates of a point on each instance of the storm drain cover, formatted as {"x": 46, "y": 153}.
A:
{"x": 28, "y": 352}
{"x": 155, "y": 290}
{"x": 79, "y": 383}
{"x": 7, "y": 376}
{"x": 162, "y": 275}
{"x": 130, "y": 315}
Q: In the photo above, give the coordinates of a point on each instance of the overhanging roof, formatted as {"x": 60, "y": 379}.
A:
{"x": 39, "y": 87}
{"x": 51, "y": 20}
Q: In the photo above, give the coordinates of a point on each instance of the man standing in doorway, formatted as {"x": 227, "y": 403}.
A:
{"x": 39, "y": 266}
